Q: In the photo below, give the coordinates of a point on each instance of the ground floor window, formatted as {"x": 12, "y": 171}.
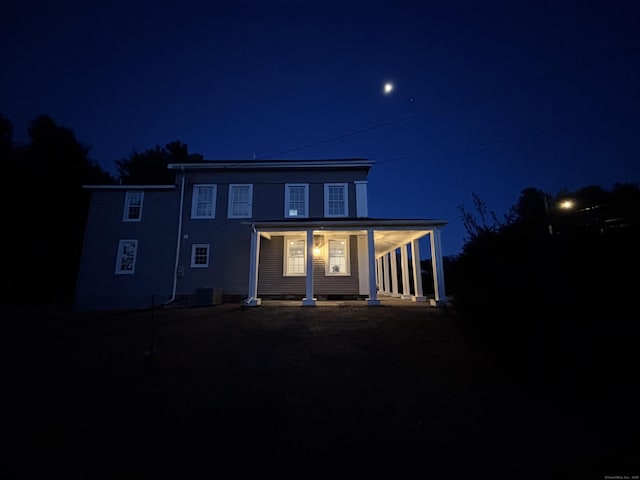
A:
{"x": 294, "y": 256}
{"x": 126, "y": 257}
{"x": 200, "y": 255}
{"x": 338, "y": 256}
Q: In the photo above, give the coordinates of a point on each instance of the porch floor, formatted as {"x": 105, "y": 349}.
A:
{"x": 385, "y": 301}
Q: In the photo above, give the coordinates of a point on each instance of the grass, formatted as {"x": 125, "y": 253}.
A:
{"x": 282, "y": 391}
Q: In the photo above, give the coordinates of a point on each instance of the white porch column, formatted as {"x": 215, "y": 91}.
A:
{"x": 404, "y": 266}
{"x": 373, "y": 297}
{"x": 394, "y": 273}
{"x": 379, "y": 272}
{"x": 385, "y": 266}
{"x": 309, "y": 301}
{"x": 438, "y": 270}
{"x": 252, "y": 299}
{"x": 417, "y": 273}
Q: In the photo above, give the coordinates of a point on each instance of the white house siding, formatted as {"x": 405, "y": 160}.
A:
{"x": 272, "y": 282}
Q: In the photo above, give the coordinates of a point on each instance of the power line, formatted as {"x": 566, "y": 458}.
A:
{"x": 520, "y": 136}
{"x": 469, "y": 100}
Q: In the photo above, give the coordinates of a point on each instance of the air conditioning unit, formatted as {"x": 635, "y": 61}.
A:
{"x": 207, "y": 296}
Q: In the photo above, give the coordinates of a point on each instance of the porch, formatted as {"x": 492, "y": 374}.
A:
{"x": 387, "y": 265}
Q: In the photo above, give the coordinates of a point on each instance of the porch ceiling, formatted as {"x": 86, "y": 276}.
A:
{"x": 385, "y": 240}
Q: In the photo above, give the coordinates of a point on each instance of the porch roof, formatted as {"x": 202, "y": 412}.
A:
{"x": 388, "y": 234}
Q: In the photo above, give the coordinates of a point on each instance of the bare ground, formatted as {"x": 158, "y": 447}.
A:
{"x": 336, "y": 391}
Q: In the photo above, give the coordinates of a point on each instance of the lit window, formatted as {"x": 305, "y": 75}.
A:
{"x": 200, "y": 255}
{"x": 294, "y": 257}
{"x": 203, "y": 203}
{"x": 296, "y": 199}
{"x": 335, "y": 200}
{"x": 126, "y": 257}
{"x": 133, "y": 207}
{"x": 240, "y": 199}
{"x": 338, "y": 261}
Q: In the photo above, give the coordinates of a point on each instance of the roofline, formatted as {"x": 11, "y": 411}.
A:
{"x": 269, "y": 164}
{"x": 129, "y": 187}
{"x": 350, "y": 223}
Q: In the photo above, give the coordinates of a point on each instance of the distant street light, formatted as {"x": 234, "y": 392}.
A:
{"x": 567, "y": 204}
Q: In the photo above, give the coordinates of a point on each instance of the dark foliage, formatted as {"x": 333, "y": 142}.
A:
{"x": 549, "y": 291}
{"x": 48, "y": 215}
{"x": 150, "y": 167}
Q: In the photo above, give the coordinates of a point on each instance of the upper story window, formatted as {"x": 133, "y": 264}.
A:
{"x": 126, "y": 257}
{"x": 200, "y": 255}
{"x": 240, "y": 200}
{"x": 203, "y": 203}
{"x": 336, "y": 200}
{"x": 294, "y": 256}
{"x": 133, "y": 207}
{"x": 296, "y": 200}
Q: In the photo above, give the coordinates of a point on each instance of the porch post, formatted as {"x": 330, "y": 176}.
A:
{"x": 417, "y": 273}
{"x": 394, "y": 273}
{"x": 404, "y": 265}
{"x": 309, "y": 301}
{"x": 373, "y": 297}
{"x": 252, "y": 299}
{"x": 385, "y": 263}
{"x": 379, "y": 272}
{"x": 438, "y": 270}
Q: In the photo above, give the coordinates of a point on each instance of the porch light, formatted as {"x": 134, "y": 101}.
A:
{"x": 566, "y": 204}
{"x": 316, "y": 251}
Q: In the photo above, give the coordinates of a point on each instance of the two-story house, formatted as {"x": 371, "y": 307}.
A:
{"x": 249, "y": 230}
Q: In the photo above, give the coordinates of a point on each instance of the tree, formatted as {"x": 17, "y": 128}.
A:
{"x": 150, "y": 167}
{"x": 526, "y": 292}
{"x": 51, "y": 213}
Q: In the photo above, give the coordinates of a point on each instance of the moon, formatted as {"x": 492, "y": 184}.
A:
{"x": 388, "y": 88}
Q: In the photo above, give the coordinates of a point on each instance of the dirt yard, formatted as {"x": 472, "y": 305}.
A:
{"x": 335, "y": 391}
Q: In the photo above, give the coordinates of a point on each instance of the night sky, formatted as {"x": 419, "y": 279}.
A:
{"x": 489, "y": 98}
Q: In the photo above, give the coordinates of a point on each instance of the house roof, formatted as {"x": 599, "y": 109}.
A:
{"x": 129, "y": 187}
{"x": 274, "y": 164}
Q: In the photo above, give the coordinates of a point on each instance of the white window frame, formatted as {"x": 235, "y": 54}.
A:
{"x": 195, "y": 200}
{"x": 232, "y": 187}
{"x": 122, "y": 253}
{"x": 347, "y": 248}
{"x": 285, "y": 263}
{"x": 194, "y": 249}
{"x": 287, "y": 200}
{"x": 127, "y": 206}
{"x": 345, "y": 187}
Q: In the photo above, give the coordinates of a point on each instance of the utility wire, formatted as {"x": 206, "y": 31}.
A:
{"x": 520, "y": 136}
{"x": 468, "y": 101}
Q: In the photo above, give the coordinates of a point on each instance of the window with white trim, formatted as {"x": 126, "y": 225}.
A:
{"x": 240, "y": 200}
{"x": 335, "y": 200}
{"x": 133, "y": 207}
{"x": 200, "y": 255}
{"x": 203, "y": 202}
{"x": 296, "y": 200}
{"x": 126, "y": 257}
{"x": 337, "y": 256}
{"x": 295, "y": 256}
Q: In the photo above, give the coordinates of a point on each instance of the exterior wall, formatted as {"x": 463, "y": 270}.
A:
{"x": 272, "y": 282}
{"x": 230, "y": 238}
{"x": 98, "y": 287}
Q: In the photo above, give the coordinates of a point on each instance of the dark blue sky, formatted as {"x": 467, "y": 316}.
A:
{"x": 490, "y": 97}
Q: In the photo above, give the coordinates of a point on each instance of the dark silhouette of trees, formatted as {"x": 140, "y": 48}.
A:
{"x": 150, "y": 167}
{"x": 47, "y": 211}
{"x": 550, "y": 290}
